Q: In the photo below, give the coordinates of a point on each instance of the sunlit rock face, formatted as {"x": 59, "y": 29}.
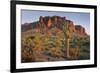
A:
{"x": 48, "y": 22}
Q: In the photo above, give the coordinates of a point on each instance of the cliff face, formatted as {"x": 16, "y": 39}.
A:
{"x": 48, "y": 22}
{"x": 80, "y": 30}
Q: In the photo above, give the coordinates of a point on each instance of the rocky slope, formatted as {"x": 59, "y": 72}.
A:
{"x": 45, "y": 40}
{"x": 49, "y": 22}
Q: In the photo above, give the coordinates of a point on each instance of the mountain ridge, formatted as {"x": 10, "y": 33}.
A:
{"x": 48, "y": 22}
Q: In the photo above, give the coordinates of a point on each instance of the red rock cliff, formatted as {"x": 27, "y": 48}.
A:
{"x": 57, "y": 21}
{"x": 48, "y": 22}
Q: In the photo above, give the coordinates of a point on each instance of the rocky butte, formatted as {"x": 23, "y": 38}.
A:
{"x": 48, "y": 22}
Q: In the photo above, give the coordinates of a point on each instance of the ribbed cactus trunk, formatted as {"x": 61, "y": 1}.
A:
{"x": 67, "y": 48}
{"x": 67, "y": 43}
{"x": 67, "y": 39}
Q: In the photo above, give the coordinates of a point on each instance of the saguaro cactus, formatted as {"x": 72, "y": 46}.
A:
{"x": 66, "y": 32}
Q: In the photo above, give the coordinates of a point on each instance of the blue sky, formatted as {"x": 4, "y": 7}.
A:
{"x": 83, "y": 19}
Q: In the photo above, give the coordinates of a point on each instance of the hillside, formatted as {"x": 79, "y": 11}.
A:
{"x": 54, "y": 38}
{"x": 48, "y": 22}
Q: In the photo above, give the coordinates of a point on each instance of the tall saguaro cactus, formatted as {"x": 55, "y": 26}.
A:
{"x": 66, "y": 32}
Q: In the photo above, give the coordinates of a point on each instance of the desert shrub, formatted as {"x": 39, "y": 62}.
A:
{"x": 55, "y": 52}
{"x": 84, "y": 56}
{"x": 26, "y": 51}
